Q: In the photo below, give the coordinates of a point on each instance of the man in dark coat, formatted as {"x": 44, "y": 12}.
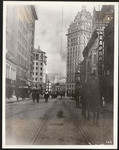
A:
{"x": 46, "y": 95}
{"x": 34, "y": 94}
{"x": 17, "y": 93}
{"x": 84, "y": 100}
{"x": 77, "y": 97}
{"x": 37, "y": 95}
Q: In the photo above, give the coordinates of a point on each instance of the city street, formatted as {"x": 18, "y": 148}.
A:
{"x": 60, "y": 74}
{"x": 57, "y": 122}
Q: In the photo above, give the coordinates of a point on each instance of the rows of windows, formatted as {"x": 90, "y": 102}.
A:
{"x": 38, "y": 56}
{"x": 21, "y": 72}
{"x": 71, "y": 80}
{"x": 22, "y": 27}
{"x": 22, "y": 39}
{"x": 21, "y": 61}
{"x": 22, "y": 50}
{"x": 35, "y": 63}
{"x": 84, "y": 39}
{"x": 71, "y": 86}
{"x": 36, "y": 79}
{"x": 24, "y": 19}
{"x": 37, "y": 68}
{"x": 36, "y": 73}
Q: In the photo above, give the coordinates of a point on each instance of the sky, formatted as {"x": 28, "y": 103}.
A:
{"x": 51, "y": 27}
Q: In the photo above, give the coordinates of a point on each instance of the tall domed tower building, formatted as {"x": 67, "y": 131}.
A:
{"x": 79, "y": 33}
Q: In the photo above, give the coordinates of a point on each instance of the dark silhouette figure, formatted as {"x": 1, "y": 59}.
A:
{"x": 34, "y": 94}
{"x": 17, "y": 93}
{"x": 37, "y": 96}
{"x": 84, "y": 99}
{"x": 77, "y": 97}
{"x": 46, "y": 95}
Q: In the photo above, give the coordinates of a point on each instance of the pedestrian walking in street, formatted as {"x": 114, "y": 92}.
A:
{"x": 37, "y": 95}
{"x": 84, "y": 101}
{"x": 17, "y": 93}
{"x": 34, "y": 94}
{"x": 46, "y": 95}
{"x": 77, "y": 97}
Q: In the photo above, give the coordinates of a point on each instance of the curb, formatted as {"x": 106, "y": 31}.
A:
{"x": 19, "y": 100}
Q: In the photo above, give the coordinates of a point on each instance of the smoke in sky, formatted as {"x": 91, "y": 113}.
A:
{"x": 51, "y": 27}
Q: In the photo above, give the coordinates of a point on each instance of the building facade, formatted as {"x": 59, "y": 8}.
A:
{"x": 20, "y": 26}
{"x": 90, "y": 54}
{"x": 39, "y": 68}
{"x": 79, "y": 33}
{"x": 99, "y": 52}
{"x": 108, "y": 75}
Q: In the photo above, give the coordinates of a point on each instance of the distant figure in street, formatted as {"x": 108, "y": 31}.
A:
{"x": 23, "y": 93}
{"x": 46, "y": 95}
{"x": 17, "y": 93}
{"x": 77, "y": 97}
{"x": 37, "y": 96}
{"x": 34, "y": 94}
{"x": 61, "y": 94}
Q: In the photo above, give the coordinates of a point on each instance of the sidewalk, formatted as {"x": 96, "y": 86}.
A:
{"x": 14, "y": 99}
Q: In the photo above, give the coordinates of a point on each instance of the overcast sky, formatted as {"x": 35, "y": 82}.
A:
{"x": 51, "y": 29}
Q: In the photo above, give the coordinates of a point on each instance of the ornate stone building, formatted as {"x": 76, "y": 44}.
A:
{"x": 79, "y": 33}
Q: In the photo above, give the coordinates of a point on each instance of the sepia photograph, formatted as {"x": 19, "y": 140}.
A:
{"x": 60, "y": 74}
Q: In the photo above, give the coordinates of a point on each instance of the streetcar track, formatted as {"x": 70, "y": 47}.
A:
{"x": 78, "y": 125}
{"x": 45, "y": 118}
{"x": 73, "y": 120}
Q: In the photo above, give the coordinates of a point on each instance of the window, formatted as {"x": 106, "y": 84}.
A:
{"x": 41, "y": 74}
{"x": 36, "y": 73}
{"x": 41, "y": 68}
{"x": 37, "y": 56}
{"x": 41, "y": 64}
{"x": 94, "y": 72}
{"x": 100, "y": 42}
{"x": 36, "y": 79}
{"x": 36, "y": 63}
{"x": 36, "y": 68}
{"x": 100, "y": 37}
{"x": 41, "y": 56}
